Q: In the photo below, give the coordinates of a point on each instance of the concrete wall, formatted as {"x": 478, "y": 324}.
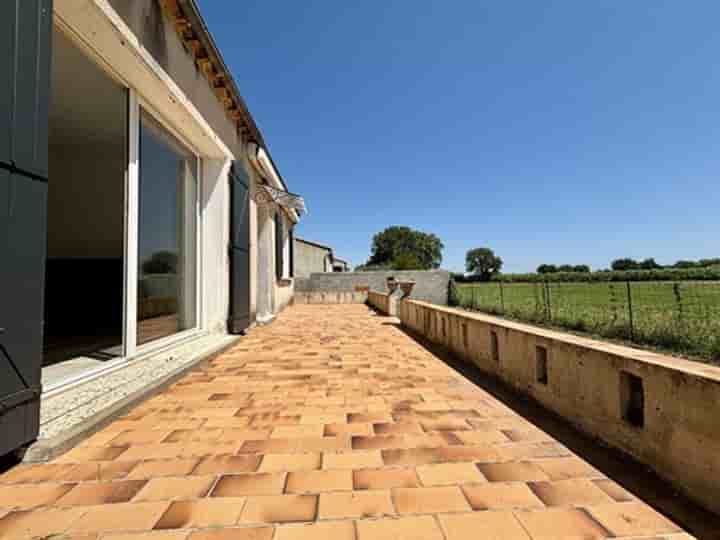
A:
{"x": 330, "y": 297}
{"x": 431, "y": 286}
{"x": 588, "y": 383}
{"x": 310, "y": 259}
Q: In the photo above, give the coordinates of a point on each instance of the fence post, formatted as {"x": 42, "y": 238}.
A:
{"x": 630, "y": 311}
{"x": 678, "y": 301}
{"x": 548, "y": 306}
{"x": 502, "y": 298}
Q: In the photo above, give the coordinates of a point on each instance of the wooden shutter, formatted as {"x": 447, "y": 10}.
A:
{"x": 239, "y": 250}
{"x": 25, "y": 49}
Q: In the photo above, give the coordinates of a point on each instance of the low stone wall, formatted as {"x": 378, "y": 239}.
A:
{"x": 431, "y": 285}
{"x": 336, "y": 297}
{"x": 383, "y": 302}
{"x": 664, "y": 411}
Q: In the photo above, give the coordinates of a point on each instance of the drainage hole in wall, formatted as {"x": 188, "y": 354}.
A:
{"x": 541, "y": 364}
{"x": 494, "y": 347}
{"x": 632, "y": 398}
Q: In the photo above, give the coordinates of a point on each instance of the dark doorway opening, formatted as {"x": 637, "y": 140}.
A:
{"x": 84, "y": 291}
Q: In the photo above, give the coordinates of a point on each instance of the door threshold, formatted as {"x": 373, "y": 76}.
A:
{"x": 72, "y": 415}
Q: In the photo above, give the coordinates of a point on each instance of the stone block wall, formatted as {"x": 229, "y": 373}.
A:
{"x": 659, "y": 409}
{"x": 334, "y": 297}
{"x": 431, "y": 285}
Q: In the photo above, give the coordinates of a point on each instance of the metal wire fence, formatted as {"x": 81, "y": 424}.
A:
{"x": 683, "y": 316}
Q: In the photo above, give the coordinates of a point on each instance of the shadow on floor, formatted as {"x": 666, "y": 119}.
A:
{"x": 623, "y": 469}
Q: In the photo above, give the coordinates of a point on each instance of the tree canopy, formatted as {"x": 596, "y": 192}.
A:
{"x": 403, "y": 248}
{"x": 483, "y": 262}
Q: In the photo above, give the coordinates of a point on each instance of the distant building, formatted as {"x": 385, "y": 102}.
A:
{"x": 312, "y": 257}
{"x": 340, "y": 265}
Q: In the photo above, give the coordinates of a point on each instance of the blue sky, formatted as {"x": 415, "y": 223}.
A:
{"x": 553, "y": 131}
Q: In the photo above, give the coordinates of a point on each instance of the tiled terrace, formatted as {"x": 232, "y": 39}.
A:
{"x": 329, "y": 423}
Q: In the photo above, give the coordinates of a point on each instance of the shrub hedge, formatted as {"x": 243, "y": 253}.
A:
{"x": 710, "y": 273}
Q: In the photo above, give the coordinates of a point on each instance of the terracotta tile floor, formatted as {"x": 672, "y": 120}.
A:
{"x": 331, "y": 423}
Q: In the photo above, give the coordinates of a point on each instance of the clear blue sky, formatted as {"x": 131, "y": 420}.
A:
{"x": 552, "y": 131}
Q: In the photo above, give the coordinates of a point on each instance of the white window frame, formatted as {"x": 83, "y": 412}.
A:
{"x": 138, "y": 104}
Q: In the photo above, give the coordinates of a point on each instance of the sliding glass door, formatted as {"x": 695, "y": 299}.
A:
{"x": 167, "y": 234}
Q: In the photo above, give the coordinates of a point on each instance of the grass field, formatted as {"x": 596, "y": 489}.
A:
{"x": 683, "y": 316}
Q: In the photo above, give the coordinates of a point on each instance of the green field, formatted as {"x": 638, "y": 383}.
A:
{"x": 682, "y": 316}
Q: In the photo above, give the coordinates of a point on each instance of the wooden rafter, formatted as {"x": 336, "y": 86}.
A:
{"x": 215, "y": 77}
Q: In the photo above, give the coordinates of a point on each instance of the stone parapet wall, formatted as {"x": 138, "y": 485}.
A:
{"x": 659, "y": 409}
{"x": 383, "y": 302}
{"x": 335, "y": 297}
{"x": 431, "y": 285}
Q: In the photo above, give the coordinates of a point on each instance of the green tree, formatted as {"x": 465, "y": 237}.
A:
{"x": 547, "y": 269}
{"x": 581, "y": 268}
{"x": 406, "y": 261}
{"x": 649, "y": 264}
{"x": 625, "y": 264}
{"x": 483, "y": 263}
{"x": 404, "y": 243}
{"x": 566, "y": 268}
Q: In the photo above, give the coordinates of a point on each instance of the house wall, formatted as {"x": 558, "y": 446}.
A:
{"x": 310, "y": 259}
{"x": 586, "y": 382}
{"x": 157, "y": 34}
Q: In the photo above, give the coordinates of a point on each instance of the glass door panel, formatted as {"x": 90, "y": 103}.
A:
{"x": 167, "y": 234}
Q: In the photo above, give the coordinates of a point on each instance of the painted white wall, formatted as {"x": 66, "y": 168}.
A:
{"x": 214, "y": 241}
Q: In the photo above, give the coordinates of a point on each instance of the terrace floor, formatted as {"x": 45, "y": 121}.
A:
{"x": 329, "y": 423}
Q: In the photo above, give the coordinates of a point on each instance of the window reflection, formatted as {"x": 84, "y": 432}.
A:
{"x": 167, "y": 234}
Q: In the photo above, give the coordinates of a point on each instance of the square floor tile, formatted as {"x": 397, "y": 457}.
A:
{"x": 560, "y": 524}
{"x": 319, "y": 481}
{"x": 406, "y": 528}
{"x": 355, "y": 504}
{"x": 384, "y": 478}
{"x": 243, "y": 533}
{"x": 170, "y": 488}
{"x": 632, "y": 519}
{"x": 89, "y": 494}
{"x": 123, "y": 516}
{"x": 485, "y": 525}
{"x": 239, "y": 485}
{"x": 352, "y": 460}
{"x": 201, "y": 513}
{"x": 498, "y": 496}
{"x": 448, "y": 474}
{"x": 522, "y": 471}
{"x": 290, "y": 462}
{"x": 573, "y": 492}
{"x": 228, "y": 464}
{"x": 335, "y": 530}
{"x": 162, "y": 467}
{"x": 280, "y": 509}
{"x": 22, "y": 497}
{"x": 429, "y": 500}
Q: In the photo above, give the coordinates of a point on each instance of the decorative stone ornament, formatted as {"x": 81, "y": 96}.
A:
{"x": 406, "y": 287}
{"x": 392, "y": 284}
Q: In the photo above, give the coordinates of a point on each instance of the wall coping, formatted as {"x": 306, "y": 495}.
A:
{"x": 682, "y": 365}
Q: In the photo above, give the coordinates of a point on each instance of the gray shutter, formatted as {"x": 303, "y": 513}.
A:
{"x": 291, "y": 240}
{"x": 239, "y": 250}
{"x": 279, "y": 233}
{"x": 25, "y": 48}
